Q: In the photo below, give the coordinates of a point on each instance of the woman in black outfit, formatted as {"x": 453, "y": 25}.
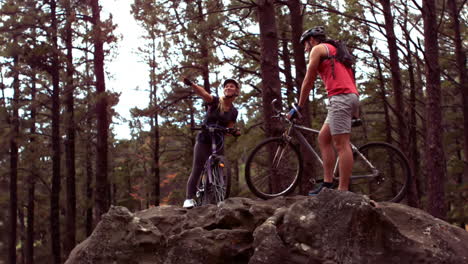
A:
{"x": 220, "y": 112}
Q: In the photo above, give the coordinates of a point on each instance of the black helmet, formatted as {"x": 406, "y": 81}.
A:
{"x": 313, "y": 32}
{"x": 231, "y": 81}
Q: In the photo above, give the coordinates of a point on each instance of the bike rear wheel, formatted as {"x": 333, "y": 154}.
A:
{"x": 391, "y": 178}
{"x": 273, "y": 168}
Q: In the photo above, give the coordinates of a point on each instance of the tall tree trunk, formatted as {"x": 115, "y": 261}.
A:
{"x": 157, "y": 190}
{"x": 413, "y": 154}
{"x": 70, "y": 237}
{"x": 56, "y": 177}
{"x": 271, "y": 85}
{"x": 286, "y": 58}
{"x": 396, "y": 76}
{"x": 89, "y": 155}
{"x": 435, "y": 159}
{"x": 298, "y": 49}
{"x": 89, "y": 174}
{"x": 383, "y": 94}
{"x": 461, "y": 65}
{"x": 155, "y": 164}
{"x": 421, "y": 185}
{"x": 14, "y": 163}
{"x": 309, "y": 172}
{"x": 101, "y": 188}
{"x": 154, "y": 126}
{"x": 22, "y": 234}
{"x": 413, "y": 195}
{"x": 32, "y": 177}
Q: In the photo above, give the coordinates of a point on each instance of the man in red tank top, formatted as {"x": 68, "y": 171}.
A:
{"x": 343, "y": 105}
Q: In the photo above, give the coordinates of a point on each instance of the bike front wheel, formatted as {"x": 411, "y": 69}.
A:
{"x": 221, "y": 185}
{"x": 273, "y": 168}
{"x": 218, "y": 189}
{"x": 388, "y": 180}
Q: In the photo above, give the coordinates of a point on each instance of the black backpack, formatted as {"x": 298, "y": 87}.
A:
{"x": 342, "y": 55}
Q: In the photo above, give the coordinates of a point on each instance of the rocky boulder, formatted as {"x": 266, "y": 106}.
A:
{"x": 333, "y": 227}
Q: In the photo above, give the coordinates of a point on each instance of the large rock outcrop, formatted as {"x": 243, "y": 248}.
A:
{"x": 333, "y": 227}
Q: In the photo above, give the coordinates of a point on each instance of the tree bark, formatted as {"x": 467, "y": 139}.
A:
{"x": 383, "y": 95}
{"x": 413, "y": 153}
{"x": 101, "y": 188}
{"x": 396, "y": 76}
{"x": 295, "y": 9}
{"x": 89, "y": 177}
{"x": 157, "y": 188}
{"x": 286, "y": 58}
{"x": 89, "y": 155}
{"x": 22, "y": 234}
{"x": 154, "y": 126}
{"x": 422, "y": 188}
{"x": 298, "y": 49}
{"x": 435, "y": 159}
{"x": 70, "y": 235}
{"x": 460, "y": 55}
{"x": 271, "y": 85}
{"x": 413, "y": 195}
{"x": 14, "y": 164}
{"x": 56, "y": 177}
{"x": 32, "y": 177}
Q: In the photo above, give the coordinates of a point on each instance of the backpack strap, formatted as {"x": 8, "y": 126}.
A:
{"x": 332, "y": 58}
{"x": 328, "y": 50}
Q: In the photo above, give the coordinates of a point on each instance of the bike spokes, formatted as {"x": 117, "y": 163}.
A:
{"x": 390, "y": 177}
{"x": 273, "y": 168}
{"x": 216, "y": 186}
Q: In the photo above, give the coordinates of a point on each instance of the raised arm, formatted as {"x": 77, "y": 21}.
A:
{"x": 199, "y": 90}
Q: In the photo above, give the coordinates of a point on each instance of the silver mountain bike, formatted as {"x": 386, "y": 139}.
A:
{"x": 215, "y": 181}
{"x": 275, "y": 166}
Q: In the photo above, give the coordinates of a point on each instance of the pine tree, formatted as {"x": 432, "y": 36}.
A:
{"x": 102, "y": 184}
{"x": 435, "y": 157}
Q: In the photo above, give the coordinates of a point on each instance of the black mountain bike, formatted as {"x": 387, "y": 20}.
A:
{"x": 275, "y": 166}
{"x": 215, "y": 181}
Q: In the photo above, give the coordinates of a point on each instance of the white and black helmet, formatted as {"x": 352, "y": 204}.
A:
{"x": 231, "y": 81}
{"x": 313, "y": 32}
{"x": 237, "y": 93}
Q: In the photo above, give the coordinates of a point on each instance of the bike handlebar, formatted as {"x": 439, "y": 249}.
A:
{"x": 281, "y": 115}
{"x": 229, "y": 130}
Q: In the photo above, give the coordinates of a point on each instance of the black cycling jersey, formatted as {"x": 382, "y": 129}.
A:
{"x": 215, "y": 117}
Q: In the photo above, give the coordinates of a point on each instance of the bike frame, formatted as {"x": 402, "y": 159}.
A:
{"x": 294, "y": 130}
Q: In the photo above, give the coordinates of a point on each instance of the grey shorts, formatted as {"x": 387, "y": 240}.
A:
{"x": 341, "y": 109}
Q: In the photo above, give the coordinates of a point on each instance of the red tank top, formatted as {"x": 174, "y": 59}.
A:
{"x": 343, "y": 83}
